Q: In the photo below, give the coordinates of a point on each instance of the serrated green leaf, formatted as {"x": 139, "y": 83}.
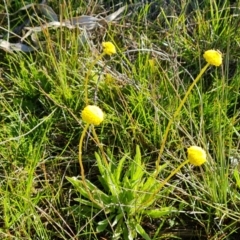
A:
{"x": 118, "y": 171}
{"x": 107, "y": 178}
{"x": 127, "y": 234}
{"x": 78, "y": 185}
{"x": 136, "y": 167}
{"x": 116, "y": 219}
{"x": 157, "y": 213}
{"x": 98, "y": 195}
{"x": 161, "y": 167}
{"x": 150, "y": 184}
{"x": 142, "y": 232}
{"x": 101, "y": 168}
{"x": 102, "y": 225}
{"x": 87, "y": 203}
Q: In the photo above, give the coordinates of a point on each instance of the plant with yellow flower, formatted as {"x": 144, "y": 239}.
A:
{"x": 92, "y": 114}
{"x": 121, "y": 199}
{"x": 121, "y": 182}
{"x": 196, "y": 155}
{"x": 212, "y": 57}
{"x": 108, "y": 49}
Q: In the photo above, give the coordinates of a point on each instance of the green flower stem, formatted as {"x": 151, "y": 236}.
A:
{"x": 100, "y": 146}
{"x": 176, "y": 114}
{"x": 81, "y": 165}
{"x": 88, "y": 74}
{"x": 171, "y": 175}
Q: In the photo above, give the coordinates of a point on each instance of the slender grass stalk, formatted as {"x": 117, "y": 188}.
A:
{"x": 100, "y": 146}
{"x": 87, "y": 76}
{"x": 171, "y": 175}
{"x": 81, "y": 165}
{"x": 176, "y": 114}
{"x": 8, "y": 20}
{"x": 164, "y": 182}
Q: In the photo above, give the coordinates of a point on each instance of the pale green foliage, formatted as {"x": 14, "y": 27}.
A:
{"x": 128, "y": 193}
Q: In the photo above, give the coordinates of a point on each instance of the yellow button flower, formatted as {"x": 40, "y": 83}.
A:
{"x": 92, "y": 114}
{"x": 108, "y": 48}
{"x": 213, "y": 57}
{"x": 196, "y": 155}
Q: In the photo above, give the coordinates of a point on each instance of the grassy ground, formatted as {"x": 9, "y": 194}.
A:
{"x": 159, "y": 54}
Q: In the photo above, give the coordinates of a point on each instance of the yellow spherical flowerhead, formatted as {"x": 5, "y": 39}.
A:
{"x": 196, "y": 155}
{"x": 108, "y": 48}
{"x": 92, "y": 114}
{"x": 213, "y": 57}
